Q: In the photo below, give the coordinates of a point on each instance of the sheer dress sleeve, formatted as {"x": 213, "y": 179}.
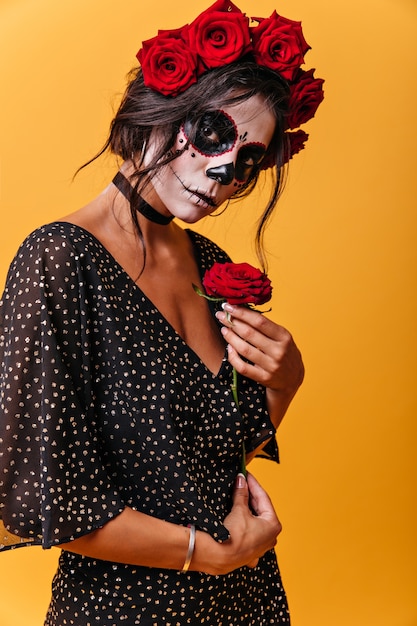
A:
{"x": 258, "y": 426}
{"x": 53, "y": 486}
{"x": 252, "y": 402}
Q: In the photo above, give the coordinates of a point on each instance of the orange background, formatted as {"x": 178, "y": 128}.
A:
{"x": 342, "y": 259}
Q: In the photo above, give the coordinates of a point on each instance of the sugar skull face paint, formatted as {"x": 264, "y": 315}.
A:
{"x": 248, "y": 158}
{"x": 217, "y": 154}
{"x": 216, "y": 134}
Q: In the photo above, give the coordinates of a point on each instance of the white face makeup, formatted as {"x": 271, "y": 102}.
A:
{"x": 223, "y": 148}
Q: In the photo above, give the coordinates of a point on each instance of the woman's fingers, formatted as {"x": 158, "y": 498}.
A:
{"x": 262, "y": 350}
{"x": 250, "y": 329}
{"x": 252, "y": 523}
{"x": 241, "y": 492}
{"x": 252, "y": 317}
{"x": 260, "y": 501}
{"x": 253, "y": 327}
{"x": 248, "y": 491}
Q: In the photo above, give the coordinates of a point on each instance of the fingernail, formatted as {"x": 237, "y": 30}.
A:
{"x": 227, "y": 307}
{"x": 240, "y": 481}
{"x": 220, "y": 315}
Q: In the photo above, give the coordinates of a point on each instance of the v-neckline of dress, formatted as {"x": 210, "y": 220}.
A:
{"x": 134, "y": 286}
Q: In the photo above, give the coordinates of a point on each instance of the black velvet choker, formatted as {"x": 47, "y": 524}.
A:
{"x": 141, "y": 205}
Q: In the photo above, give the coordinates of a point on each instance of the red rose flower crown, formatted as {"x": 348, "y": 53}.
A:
{"x": 174, "y": 59}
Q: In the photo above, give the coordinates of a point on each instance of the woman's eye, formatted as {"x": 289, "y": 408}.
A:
{"x": 210, "y": 134}
{"x": 249, "y": 161}
{"x": 251, "y": 154}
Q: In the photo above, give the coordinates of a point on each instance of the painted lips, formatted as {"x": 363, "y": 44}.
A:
{"x": 206, "y": 199}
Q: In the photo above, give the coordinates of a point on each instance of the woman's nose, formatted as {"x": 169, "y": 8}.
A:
{"x": 223, "y": 174}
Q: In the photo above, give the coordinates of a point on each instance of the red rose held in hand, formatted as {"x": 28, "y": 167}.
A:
{"x": 169, "y": 64}
{"x": 220, "y": 35}
{"x": 238, "y": 283}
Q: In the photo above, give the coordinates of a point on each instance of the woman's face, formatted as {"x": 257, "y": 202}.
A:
{"x": 221, "y": 155}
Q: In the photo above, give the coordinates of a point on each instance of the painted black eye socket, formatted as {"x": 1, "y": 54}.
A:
{"x": 248, "y": 159}
{"x": 215, "y": 133}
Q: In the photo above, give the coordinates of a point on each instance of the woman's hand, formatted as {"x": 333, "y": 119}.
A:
{"x": 253, "y": 526}
{"x": 274, "y": 359}
{"x": 265, "y": 352}
{"x": 135, "y": 538}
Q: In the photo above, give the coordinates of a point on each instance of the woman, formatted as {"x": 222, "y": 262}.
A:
{"x": 121, "y": 440}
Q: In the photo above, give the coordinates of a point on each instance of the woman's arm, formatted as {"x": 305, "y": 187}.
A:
{"x": 139, "y": 539}
{"x": 265, "y": 352}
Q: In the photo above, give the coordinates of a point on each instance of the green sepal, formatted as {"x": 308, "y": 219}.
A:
{"x": 204, "y": 295}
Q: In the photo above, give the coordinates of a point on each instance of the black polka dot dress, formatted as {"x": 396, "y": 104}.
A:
{"x": 103, "y": 405}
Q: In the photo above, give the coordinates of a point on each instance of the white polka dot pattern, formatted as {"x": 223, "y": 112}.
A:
{"x": 104, "y": 405}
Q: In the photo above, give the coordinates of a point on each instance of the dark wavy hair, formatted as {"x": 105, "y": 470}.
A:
{"x": 143, "y": 111}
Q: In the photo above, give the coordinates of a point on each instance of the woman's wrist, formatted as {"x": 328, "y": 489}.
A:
{"x": 208, "y": 556}
{"x": 277, "y": 402}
